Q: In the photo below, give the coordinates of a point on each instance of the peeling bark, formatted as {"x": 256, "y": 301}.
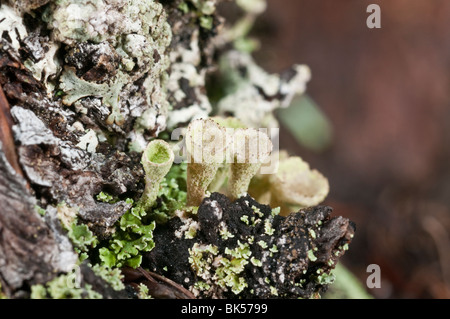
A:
{"x": 29, "y": 253}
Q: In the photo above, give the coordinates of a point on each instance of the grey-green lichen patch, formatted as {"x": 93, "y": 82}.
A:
{"x": 115, "y": 52}
{"x": 105, "y": 20}
{"x": 76, "y": 88}
{"x": 63, "y": 287}
{"x": 113, "y": 276}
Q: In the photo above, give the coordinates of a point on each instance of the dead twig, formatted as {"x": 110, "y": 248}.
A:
{"x": 159, "y": 286}
{"x": 6, "y": 136}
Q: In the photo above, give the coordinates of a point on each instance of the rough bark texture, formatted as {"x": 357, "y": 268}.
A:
{"x": 28, "y": 250}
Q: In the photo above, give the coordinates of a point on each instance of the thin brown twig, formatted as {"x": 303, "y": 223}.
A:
{"x": 6, "y": 136}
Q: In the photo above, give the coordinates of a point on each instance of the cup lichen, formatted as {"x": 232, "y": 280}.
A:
{"x": 293, "y": 186}
{"x": 296, "y": 185}
{"x": 206, "y": 145}
{"x": 251, "y": 149}
{"x": 157, "y": 159}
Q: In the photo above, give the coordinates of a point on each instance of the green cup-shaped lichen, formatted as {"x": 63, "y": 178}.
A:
{"x": 157, "y": 159}
{"x": 206, "y": 144}
{"x": 251, "y": 149}
{"x": 296, "y": 186}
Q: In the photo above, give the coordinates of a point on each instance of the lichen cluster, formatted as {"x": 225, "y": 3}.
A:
{"x": 97, "y": 88}
{"x": 246, "y": 249}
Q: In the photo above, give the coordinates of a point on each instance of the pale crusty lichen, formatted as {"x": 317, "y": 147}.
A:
{"x": 137, "y": 33}
{"x": 254, "y": 94}
{"x": 185, "y": 64}
{"x": 12, "y": 23}
{"x": 76, "y": 88}
{"x": 107, "y": 20}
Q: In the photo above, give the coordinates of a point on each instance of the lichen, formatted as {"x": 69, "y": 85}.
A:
{"x": 63, "y": 287}
{"x": 285, "y": 262}
{"x": 112, "y": 276}
{"x": 206, "y": 7}
{"x": 295, "y": 185}
{"x": 251, "y": 149}
{"x": 252, "y": 94}
{"x": 127, "y": 41}
{"x": 157, "y": 159}
{"x": 172, "y": 194}
{"x": 186, "y": 84}
{"x": 11, "y": 22}
{"x": 206, "y": 147}
{"x": 76, "y": 88}
{"x": 133, "y": 236}
{"x": 118, "y": 74}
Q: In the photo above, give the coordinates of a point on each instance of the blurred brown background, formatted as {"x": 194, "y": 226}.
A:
{"x": 386, "y": 93}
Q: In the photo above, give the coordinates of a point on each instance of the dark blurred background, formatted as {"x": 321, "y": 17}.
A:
{"x": 386, "y": 95}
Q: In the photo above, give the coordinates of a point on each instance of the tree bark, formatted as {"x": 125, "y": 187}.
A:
{"x": 28, "y": 250}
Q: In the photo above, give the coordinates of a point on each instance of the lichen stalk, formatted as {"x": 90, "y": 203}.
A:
{"x": 206, "y": 145}
{"x": 157, "y": 159}
{"x": 251, "y": 149}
